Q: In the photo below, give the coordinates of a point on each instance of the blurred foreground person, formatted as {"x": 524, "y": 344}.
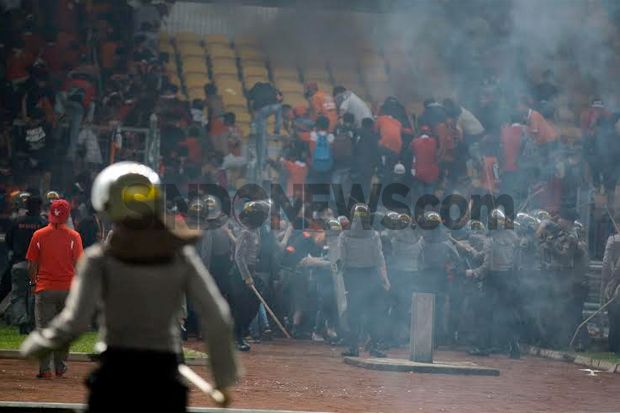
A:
{"x": 138, "y": 281}
{"x": 52, "y": 255}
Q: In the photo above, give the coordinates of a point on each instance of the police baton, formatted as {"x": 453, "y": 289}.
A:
{"x": 190, "y": 375}
{"x": 271, "y": 313}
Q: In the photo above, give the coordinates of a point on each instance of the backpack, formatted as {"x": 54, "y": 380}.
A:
{"x": 322, "y": 157}
{"x": 343, "y": 146}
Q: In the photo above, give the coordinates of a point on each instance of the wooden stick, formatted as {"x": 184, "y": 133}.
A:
{"x": 271, "y": 313}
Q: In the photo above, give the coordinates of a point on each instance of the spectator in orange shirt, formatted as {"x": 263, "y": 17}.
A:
{"x": 537, "y": 126}
{"x": 52, "y": 255}
{"x": 322, "y": 104}
{"x": 511, "y": 147}
{"x": 390, "y": 144}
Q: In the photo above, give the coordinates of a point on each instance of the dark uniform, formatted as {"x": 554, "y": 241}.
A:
{"x": 560, "y": 254}
{"x": 439, "y": 264}
{"x": 403, "y": 267}
{"x": 610, "y": 283}
{"x": 497, "y": 272}
{"x": 363, "y": 265}
{"x": 20, "y": 312}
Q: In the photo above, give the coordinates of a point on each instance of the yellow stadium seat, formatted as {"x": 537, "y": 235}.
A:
{"x": 282, "y": 73}
{"x": 290, "y": 86}
{"x": 196, "y": 80}
{"x": 315, "y": 74}
{"x": 187, "y": 37}
{"x": 227, "y": 79}
{"x": 225, "y": 71}
{"x": 217, "y": 39}
{"x": 230, "y": 89}
{"x": 252, "y": 80}
{"x": 345, "y": 76}
{"x": 196, "y": 93}
{"x": 186, "y": 50}
{"x": 243, "y": 117}
{"x": 343, "y": 64}
{"x": 260, "y": 71}
{"x": 250, "y": 54}
{"x": 246, "y": 41}
{"x": 295, "y": 99}
{"x": 194, "y": 65}
{"x": 325, "y": 86}
{"x": 236, "y": 107}
{"x": 220, "y": 51}
{"x": 167, "y": 48}
{"x": 174, "y": 79}
{"x": 233, "y": 100}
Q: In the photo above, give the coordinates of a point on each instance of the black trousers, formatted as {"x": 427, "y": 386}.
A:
{"x": 500, "y": 320}
{"x": 136, "y": 381}
{"x": 613, "y": 312}
{"x": 365, "y": 304}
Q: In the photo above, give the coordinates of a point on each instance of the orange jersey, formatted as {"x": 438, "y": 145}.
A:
{"x": 323, "y": 104}
{"x": 55, "y": 249}
{"x": 390, "y": 130}
{"x": 540, "y": 129}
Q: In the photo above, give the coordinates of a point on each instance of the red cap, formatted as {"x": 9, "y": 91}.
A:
{"x": 59, "y": 211}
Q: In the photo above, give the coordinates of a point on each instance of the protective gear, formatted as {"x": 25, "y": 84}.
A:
{"x": 395, "y": 221}
{"x": 476, "y": 226}
{"x": 498, "y": 217}
{"x": 542, "y": 215}
{"x": 527, "y": 221}
{"x": 127, "y": 191}
{"x": 254, "y": 213}
{"x": 360, "y": 217}
{"x": 580, "y": 230}
{"x": 51, "y": 196}
{"x": 431, "y": 219}
{"x": 334, "y": 225}
{"x": 213, "y": 207}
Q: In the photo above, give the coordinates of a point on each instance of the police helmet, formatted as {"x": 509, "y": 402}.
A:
{"x": 213, "y": 207}
{"x": 527, "y": 221}
{"x": 127, "y": 191}
{"x": 475, "y": 225}
{"x": 254, "y": 213}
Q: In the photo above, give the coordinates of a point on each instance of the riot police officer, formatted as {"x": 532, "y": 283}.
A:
{"x": 365, "y": 279}
{"x": 439, "y": 264}
{"x": 497, "y": 273}
{"x": 244, "y": 303}
{"x": 403, "y": 267}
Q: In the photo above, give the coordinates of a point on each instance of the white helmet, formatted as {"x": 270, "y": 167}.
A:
{"x": 127, "y": 191}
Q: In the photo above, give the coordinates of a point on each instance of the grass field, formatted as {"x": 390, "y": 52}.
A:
{"x": 10, "y": 339}
{"x": 612, "y": 357}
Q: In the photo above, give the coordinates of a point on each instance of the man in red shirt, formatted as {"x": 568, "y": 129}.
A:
{"x": 425, "y": 165}
{"x": 52, "y": 254}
